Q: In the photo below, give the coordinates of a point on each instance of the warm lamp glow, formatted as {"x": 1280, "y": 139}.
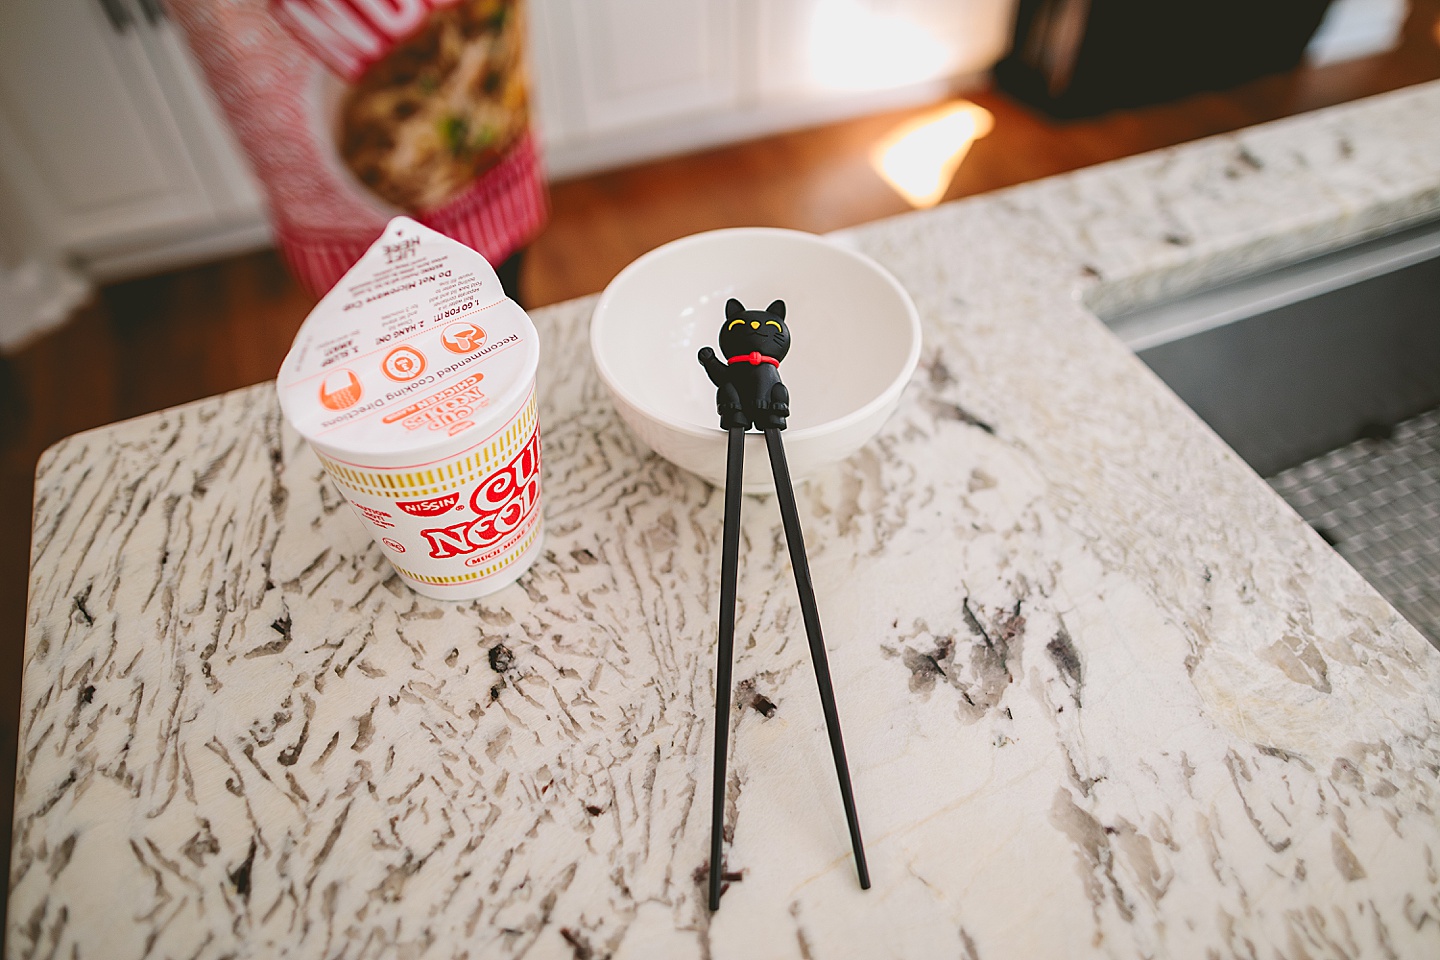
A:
{"x": 920, "y": 157}
{"x": 853, "y": 47}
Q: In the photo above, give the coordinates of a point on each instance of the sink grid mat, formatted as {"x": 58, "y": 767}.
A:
{"x": 1378, "y": 502}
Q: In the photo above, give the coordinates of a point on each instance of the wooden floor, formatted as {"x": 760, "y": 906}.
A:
{"x": 151, "y": 343}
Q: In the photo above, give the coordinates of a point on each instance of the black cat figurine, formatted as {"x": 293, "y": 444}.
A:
{"x": 748, "y": 388}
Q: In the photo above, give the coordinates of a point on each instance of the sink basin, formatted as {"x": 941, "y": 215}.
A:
{"x": 1294, "y": 363}
{"x": 1306, "y": 372}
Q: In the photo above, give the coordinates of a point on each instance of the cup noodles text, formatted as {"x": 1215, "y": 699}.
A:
{"x": 414, "y": 381}
{"x": 504, "y": 504}
{"x": 352, "y": 111}
{"x": 350, "y": 35}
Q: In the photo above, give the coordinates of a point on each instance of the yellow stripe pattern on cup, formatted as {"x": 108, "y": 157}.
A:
{"x": 485, "y": 571}
{"x": 423, "y": 483}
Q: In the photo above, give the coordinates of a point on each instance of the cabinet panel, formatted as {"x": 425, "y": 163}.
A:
{"x": 89, "y": 141}
{"x": 620, "y": 81}
{"x": 817, "y": 48}
{"x": 647, "y": 60}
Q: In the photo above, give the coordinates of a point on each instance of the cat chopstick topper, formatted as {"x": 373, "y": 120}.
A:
{"x": 748, "y": 387}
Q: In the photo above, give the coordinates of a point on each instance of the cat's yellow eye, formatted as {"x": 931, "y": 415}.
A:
{"x": 772, "y": 323}
{"x": 732, "y": 323}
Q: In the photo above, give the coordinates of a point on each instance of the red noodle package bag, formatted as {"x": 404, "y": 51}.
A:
{"x": 354, "y": 111}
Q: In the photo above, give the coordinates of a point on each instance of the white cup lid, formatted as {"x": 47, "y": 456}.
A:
{"x": 415, "y": 353}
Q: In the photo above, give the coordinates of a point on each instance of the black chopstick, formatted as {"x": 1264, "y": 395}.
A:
{"x": 790, "y": 516}
{"x": 724, "y": 655}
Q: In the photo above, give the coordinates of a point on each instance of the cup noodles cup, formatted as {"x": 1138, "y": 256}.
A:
{"x": 414, "y": 382}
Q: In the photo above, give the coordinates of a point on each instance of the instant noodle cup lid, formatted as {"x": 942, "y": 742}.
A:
{"x": 414, "y": 354}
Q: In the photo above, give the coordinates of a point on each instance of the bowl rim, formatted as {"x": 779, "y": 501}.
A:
{"x": 882, "y": 399}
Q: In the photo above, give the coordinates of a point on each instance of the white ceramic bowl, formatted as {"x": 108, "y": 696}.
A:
{"x": 855, "y": 340}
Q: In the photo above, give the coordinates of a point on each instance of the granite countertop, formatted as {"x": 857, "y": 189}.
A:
{"x": 1103, "y": 692}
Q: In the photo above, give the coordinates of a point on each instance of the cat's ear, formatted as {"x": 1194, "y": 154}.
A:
{"x": 777, "y": 308}
{"x": 733, "y": 308}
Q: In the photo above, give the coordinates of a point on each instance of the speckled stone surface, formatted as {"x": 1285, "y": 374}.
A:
{"x": 1104, "y": 694}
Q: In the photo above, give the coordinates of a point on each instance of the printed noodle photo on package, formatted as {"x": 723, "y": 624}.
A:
{"x": 354, "y": 111}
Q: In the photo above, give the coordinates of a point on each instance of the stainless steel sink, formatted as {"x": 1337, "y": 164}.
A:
{"x": 1325, "y": 377}
{"x": 1302, "y": 360}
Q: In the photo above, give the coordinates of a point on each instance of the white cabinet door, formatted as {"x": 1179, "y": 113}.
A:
{"x": 85, "y": 133}
{"x": 834, "y": 48}
{"x": 620, "y": 81}
{"x": 631, "y": 63}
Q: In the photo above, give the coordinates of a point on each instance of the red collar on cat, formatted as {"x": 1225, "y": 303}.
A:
{"x": 755, "y": 358}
